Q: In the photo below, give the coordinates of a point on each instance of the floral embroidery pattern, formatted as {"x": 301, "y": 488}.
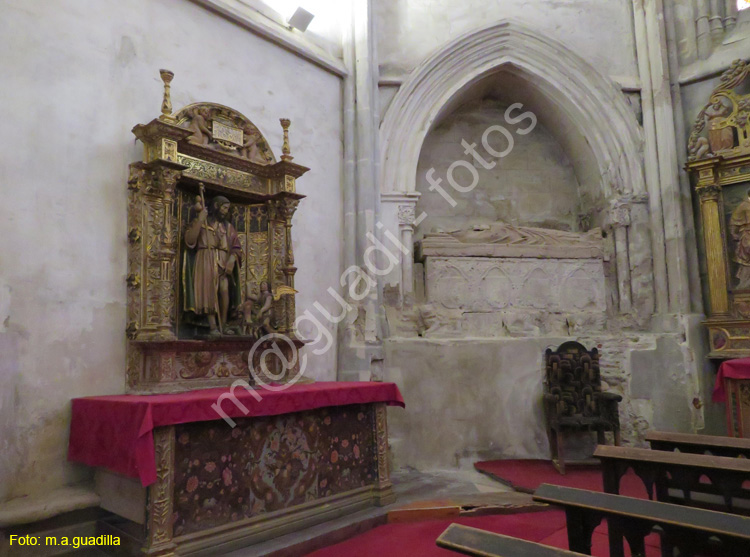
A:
{"x": 225, "y": 474}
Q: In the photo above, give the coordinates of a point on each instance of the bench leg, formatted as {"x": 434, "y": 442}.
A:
{"x": 667, "y": 547}
{"x": 610, "y": 477}
{"x": 580, "y": 525}
{"x": 636, "y": 534}
{"x": 616, "y": 534}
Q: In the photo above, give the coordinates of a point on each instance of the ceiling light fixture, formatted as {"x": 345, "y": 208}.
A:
{"x": 301, "y": 19}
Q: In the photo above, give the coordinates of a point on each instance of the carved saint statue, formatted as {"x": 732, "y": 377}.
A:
{"x": 211, "y": 278}
{"x": 719, "y": 137}
{"x": 502, "y": 233}
{"x": 739, "y": 228}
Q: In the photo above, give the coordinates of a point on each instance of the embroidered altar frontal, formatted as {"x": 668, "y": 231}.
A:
{"x": 224, "y": 474}
{"x": 191, "y": 484}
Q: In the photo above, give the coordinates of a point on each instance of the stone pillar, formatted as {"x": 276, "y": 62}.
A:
{"x": 715, "y": 22}
{"x": 673, "y": 56}
{"x": 619, "y": 220}
{"x": 714, "y": 247}
{"x": 406, "y": 228}
{"x": 669, "y": 222}
{"x": 651, "y": 160}
{"x": 639, "y": 257}
{"x": 702, "y": 29}
{"x": 399, "y": 219}
{"x": 684, "y": 20}
{"x": 357, "y": 348}
{"x": 730, "y": 15}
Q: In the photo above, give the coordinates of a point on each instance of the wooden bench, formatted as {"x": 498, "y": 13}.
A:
{"x": 686, "y": 528}
{"x": 480, "y": 543}
{"x": 661, "y": 470}
{"x": 699, "y": 444}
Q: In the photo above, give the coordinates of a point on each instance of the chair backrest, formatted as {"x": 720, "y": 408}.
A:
{"x": 572, "y": 374}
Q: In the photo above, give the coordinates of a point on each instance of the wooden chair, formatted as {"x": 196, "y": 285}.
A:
{"x": 573, "y": 398}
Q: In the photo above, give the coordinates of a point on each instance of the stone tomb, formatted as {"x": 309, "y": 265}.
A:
{"x": 517, "y": 279}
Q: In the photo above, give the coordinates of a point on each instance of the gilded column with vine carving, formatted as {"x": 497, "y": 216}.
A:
{"x": 160, "y": 497}
{"x": 714, "y": 246}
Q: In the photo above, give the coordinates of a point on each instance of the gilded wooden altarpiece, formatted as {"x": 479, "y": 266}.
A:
{"x": 206, "y": 156}
{"x": 719, "y": 165}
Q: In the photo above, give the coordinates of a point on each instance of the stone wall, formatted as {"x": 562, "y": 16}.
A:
{"x": 510, "y": 191}
{"x": 408, "y": 31}
{"x": 478, "y": 399}
{"x": 78, "y": 76}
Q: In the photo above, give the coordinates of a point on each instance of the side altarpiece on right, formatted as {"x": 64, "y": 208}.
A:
{"x": 719, "y": 166}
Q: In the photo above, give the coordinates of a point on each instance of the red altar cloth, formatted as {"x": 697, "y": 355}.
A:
{"x": 730, "y": 369}
{"x": 116, "y": 432}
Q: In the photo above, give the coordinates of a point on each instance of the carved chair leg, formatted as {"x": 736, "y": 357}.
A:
{"x": 552, "y": 443}
{"x": 559, "y": 462}
{"x": 617, "y": 436}
{"x": 600, "y": 439}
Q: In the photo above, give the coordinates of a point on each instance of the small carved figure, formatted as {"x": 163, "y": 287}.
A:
{"x": 739, "y": 228}
{"x": 199, "y": 126}
{"x": 249, "y": 148}
{"x": 699, "y": 148}
{"x": 245, "y": 311}
{"x": 720, "y": 135}
{"x": 212, "y": 261}
{"x": 257, "y": 309}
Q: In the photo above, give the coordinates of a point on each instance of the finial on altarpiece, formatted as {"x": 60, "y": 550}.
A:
{"x": 166, "y": 105}
{"x": 286, "y": 153}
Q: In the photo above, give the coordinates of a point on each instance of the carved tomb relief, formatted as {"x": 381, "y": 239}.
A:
{"x": 514, "y": 272}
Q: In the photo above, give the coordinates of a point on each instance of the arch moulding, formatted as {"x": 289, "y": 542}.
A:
{"x": 590, "y": 101}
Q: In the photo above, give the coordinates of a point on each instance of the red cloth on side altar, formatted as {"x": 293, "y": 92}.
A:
{"x": 730, "y": 369}
{"x": 116, "y": 432}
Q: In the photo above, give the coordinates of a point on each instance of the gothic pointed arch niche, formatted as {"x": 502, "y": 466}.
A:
{"x": 586, "y": 112}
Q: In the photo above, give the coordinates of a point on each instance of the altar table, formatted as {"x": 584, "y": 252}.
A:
{"x": 294, "y": 458}
{"x": 733, "y": 387}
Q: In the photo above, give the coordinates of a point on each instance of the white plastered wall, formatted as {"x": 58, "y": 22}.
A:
{"x": 77, "y": 76}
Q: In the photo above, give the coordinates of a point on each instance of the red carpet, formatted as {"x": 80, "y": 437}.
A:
{"x": 417, "y": 539}
{"x": 527, "y": 475}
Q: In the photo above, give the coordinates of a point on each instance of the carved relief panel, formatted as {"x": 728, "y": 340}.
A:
{"x": 493, "y": 284}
